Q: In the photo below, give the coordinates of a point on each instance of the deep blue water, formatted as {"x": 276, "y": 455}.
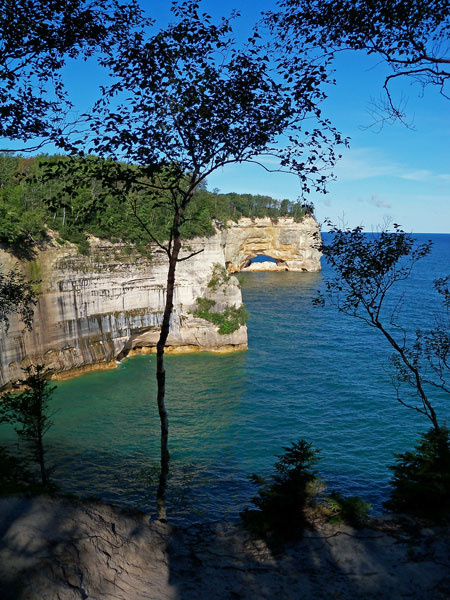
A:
{"x": 309, "y": 373}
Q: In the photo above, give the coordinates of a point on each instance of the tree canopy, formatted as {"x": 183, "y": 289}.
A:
{"x": 37, "y": 37}
{"x": 411, "y": 37}
{"x": 366, "y": 270}
{"x": 16, "y": 296}
{"x": 32, "y": 205}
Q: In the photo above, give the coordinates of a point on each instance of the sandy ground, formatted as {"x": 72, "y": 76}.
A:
{"x": 53, "y": 549}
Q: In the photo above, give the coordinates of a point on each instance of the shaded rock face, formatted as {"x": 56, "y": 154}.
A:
{"x": 59, "y": 550}
{"x": 95, "y": 309}
{"x": 294, "y": 246}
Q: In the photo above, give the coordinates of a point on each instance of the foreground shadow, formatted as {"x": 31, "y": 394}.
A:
{"x": 61, "y": 549}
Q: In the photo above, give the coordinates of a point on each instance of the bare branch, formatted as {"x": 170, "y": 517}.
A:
{"x": 190, "y": 255}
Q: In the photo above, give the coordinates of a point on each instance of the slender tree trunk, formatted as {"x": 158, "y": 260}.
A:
{"x": 428, "y": 408}
{"x": 161, "y": 373}
{"x": 41, "y": 460}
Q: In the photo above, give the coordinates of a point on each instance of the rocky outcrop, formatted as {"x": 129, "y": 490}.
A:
{"x": 59, "y": 550}
{"x": 95, "y": 309}
{"x": 294, "y": 246}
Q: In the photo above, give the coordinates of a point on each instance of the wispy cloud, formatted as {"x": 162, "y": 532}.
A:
{"x": 419, "y": 175}
{"x": 363, "y": 163}
{"x": 357, "y": 164}
{"x": 375, "y": 200}
{"x": 380, "y": 203}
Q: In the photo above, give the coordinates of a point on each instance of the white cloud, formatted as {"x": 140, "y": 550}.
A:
{"x": 363, "y": 163}
{"x": 380, "y": 203}
{"x": 357, "y": 164}
{"x": 374, "y": 200}
{"x": 419, "y": 175}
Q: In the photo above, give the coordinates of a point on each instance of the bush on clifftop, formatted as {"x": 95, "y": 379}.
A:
{"x": 421, "y": 481}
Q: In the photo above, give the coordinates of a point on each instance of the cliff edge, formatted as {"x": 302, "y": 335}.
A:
{"x": 96, "y": 309}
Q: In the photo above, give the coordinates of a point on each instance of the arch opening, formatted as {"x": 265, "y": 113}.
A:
{"x": 263, "y": 262}
{"x": 259, "y": 258}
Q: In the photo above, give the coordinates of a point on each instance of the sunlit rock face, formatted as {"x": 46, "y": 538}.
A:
{"x": 294, "y": 246}
{"x": 96, "y": 309}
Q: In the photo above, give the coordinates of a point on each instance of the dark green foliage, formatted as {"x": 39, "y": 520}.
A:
{"x": 227, "y": 321}
{"x": 220, "y": 276}
{"x": 421, "y": 480}
{"x": 15, "y": 478}
{"x": 47, "y": 193}
{"x": 410, "y": 37}
{"x": 27, "y": 411}
{"x": 17, "y": 295}
{"x": 232, "y": 206}
{"x": 282, "y": 498}
{"x": 350, "y": 510}
{"x": 37, "y": 37}
{"x": 204, "y": 306}
{"x": 366, "y": 267}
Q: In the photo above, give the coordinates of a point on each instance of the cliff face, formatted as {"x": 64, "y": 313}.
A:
{"x": 95, "y": 309}
{"x": 292, "y": 245}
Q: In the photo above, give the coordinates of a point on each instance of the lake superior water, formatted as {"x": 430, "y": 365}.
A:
{"x": 309, "y": 373}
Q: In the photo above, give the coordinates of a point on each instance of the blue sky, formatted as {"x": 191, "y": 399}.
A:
{"x": 398, "y": 173}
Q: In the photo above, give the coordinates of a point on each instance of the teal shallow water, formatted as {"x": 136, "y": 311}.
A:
{"x": 309, "y": 373}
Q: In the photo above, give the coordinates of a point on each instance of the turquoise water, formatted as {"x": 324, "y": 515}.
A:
{"x": 309, "y": 373}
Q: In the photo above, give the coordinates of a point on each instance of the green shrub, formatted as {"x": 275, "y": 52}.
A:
{"x": 351, "y": 510}
{"x": 233, "y": 318}
{"x": 15, "y": 477}
{"x": 219, "y": 277}
{"x": 78, "y": 237}
{"x": 228, "y": 321}
{"x": 203, "y": 310}
{"x": 282, "y": 498}
{"x": 421, "y": 481}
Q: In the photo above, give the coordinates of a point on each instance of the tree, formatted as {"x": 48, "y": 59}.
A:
{"x": 409, "y": 37}
{"x": 365, "y": 270}
{"x": 185, "y": 102}
{"x": 282, "y": 499}
{"x": 27, "y": 411}
{"x": 16, "y": 296}
{"x": 37, "y": 37}
{"x": 421, "y": 478}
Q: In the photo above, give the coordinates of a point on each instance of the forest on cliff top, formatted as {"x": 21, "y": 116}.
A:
{"x": 35, "y": 198}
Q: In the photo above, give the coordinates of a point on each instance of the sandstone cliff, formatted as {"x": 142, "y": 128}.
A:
{"x": 95, "y": 309}
{"x": 294, "y": 246}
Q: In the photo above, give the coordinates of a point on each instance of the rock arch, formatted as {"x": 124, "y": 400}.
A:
{"x": 294, "y": 246}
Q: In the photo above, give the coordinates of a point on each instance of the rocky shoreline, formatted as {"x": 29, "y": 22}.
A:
{"x": 56, "y": 549}
{"x": 97, "y": 308}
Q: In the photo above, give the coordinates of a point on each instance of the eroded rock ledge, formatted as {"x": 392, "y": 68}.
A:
{"x": 96, "y": 309}
{"x": 59, "y": 550}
